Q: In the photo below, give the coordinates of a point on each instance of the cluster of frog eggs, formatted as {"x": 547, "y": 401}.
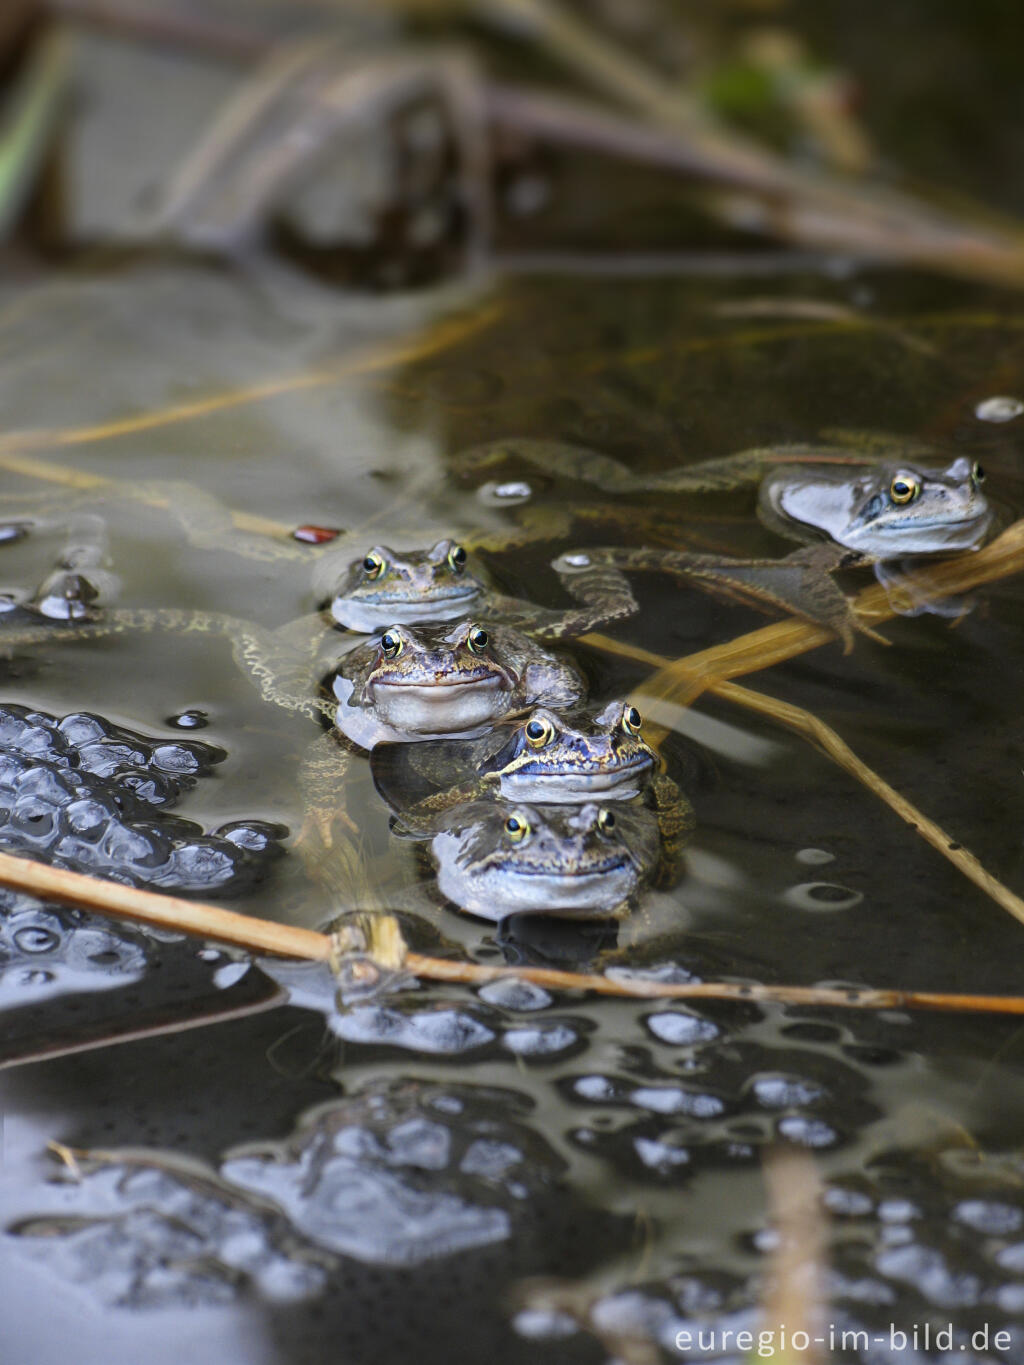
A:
{"x": 84, "y": 794}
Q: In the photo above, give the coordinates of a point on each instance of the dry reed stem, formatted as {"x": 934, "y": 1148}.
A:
{"x": 823, "y": 737}
{"x": 796, "y": 1271}
{"x": 262, "y": 936}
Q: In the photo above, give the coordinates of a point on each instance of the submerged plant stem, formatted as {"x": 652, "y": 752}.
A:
{"x": 284, "y": 940}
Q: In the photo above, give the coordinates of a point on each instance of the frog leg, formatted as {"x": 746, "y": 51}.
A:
{"x": 321, "y": 782}
{"x": 745, "y": 468}
{"x": 676, "y": 823}
{"x": 258, "y": 653}
{"x": 907, "y": 599}
{"x": 602, "y": 589}
{"x": 425, "y": 818}
{"x": 799, "y": 584}
{"x": 210, "y": 525}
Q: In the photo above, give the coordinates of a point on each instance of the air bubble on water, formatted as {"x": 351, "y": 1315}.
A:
{"x": 573, "y": 562}
{"x": 510, "y": 994}
{"x": 504, "y": 494}
{"x": 681, "y": 1029}
{"x": 783, "y": 1092}
{"x": 822, "y": 896}
{"x": 193, "y": 719}
{"x": 229, "y": 974}
{"x": 849, "y": 1203}
{"x": 999, "y": 409}
{"x": 806, "y": 1132}
{"x": 766, "y": 1240}
{"x": 659, "y": 1156}
{"x": 540, "y": 1324}
{"x": 663, "y": 1099}
{"x": 539, "y": 1042}
{"x": 988, "y": 1215}
{"x": 597, "y": 1089}
{"x": 814, "y": 857}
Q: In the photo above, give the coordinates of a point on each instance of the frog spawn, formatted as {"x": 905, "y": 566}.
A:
{"x": 50, "y": 950}
{"x": 85, "y": 794}
{"x": 398, "y": 1175}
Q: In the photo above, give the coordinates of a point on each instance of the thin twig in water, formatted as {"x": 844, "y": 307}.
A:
{"x": 284, "y": 940}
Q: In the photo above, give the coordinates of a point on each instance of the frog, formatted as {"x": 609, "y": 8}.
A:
{"x": 881, "y": 503}
{"x": 446, "y": 583}
{"x": 498, "y": 858}
{"x": 547, "y": 757}
{"x": 443, "y": 680}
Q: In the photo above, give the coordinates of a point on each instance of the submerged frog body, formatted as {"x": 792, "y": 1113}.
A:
{"x": 443, "y": 583}
{"x": 444, "y": 680}
{"x": 497, "y": 858}
{"x": 859, "y": 505}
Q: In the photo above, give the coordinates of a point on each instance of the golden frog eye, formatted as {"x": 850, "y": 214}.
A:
{"x": 478, "y": 639}
{"x": 391, "y": 645}
{"x": 605, "y": 821}
{"x": 457, "y": 558}
{"x": 632, "y": 721}
{"x": 517, "y": 828}
{"x": 903, "y": 490}
{"x": 977, "y": 473}
{"x": 373, "y": 565}
{"x": 539, "y": 733}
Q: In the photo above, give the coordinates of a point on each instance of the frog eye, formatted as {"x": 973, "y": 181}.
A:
{"x": 539, "y": 733}
{"x": 977, "y": 473}
{"x": 632, "y": 721}
{"x": 903, "y": 489}
{"x": 373, "y": 565}
{"x": 457, "y": 558}
{"x": 391, "y": 645}
{"x": 605, "y": 821}
{"x": 517, "y": 828}
{"x": 478, "y": 639}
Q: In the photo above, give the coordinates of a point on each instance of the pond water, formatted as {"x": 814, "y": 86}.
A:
{"x": 514, "y": 1174}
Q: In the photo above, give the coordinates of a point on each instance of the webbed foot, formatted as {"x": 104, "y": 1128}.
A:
{"x": 801, "y": 584}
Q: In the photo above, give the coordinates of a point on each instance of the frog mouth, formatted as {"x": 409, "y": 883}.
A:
{"x": 426, "y": 691}
{"x": 616, "y": 862}
{"x": 591, "y": 770}
{"x": 562, "y": 783}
